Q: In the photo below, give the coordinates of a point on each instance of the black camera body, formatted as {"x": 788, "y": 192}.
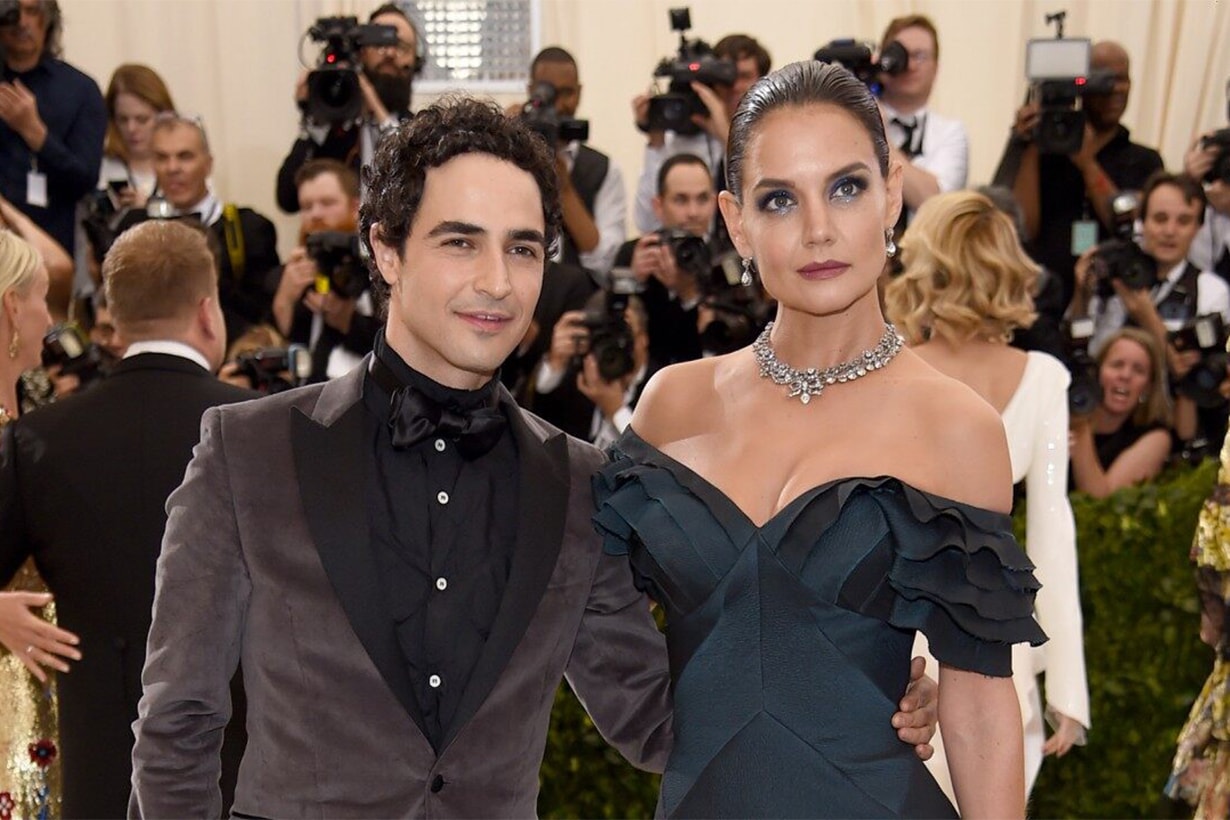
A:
{"x": 268, "y": 367}
{"x": 1124, "y": 260}
{"x": 1061, "y": 123}
{"x": 1221, "y": 165}
{"x": 67, "y": 346}
{"x": 339, "y": 259}
{"x": 857, "y": 58}
{"x": 609, "y": 339}
{"x": 1085, "y": 388}
{"x": 695, "y": 62}
{"x": 540, "y": 115}
{"x": 691, "y": 252}
{"x": 1206, "y": 334}
{"x": 334, "y": 95}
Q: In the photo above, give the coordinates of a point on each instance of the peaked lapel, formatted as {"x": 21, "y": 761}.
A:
{"x": 332, "y": 466}
{"x": 544, "y": 486}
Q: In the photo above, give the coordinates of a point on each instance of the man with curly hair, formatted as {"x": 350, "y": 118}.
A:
{"x": 402, "y": 559}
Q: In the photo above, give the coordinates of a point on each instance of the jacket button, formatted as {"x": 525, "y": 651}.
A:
{"x": 437, "y": 783}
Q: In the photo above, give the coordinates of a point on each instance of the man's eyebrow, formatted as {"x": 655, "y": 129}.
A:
{"x": 456, "y": 226}
{"x": 527, "y": 235}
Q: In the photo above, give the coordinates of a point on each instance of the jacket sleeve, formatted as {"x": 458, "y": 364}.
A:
{"x": 200, "y": 599}
{"x": 1050, "y": 539}
{"x": 14, "y": 547}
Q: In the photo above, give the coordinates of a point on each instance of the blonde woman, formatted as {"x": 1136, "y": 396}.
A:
{"x": 1126, "y": 440}
{"x": 965, "y": 288}
{"x": 27, "y": 705}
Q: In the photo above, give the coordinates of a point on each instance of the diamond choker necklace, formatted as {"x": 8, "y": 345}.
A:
{"x": 811, "y": 382}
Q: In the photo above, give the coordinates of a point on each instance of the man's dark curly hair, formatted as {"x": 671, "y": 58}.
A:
{"x": 451, "y": 127}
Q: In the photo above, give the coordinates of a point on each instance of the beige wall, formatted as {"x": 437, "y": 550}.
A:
{"x": 235, "y": 63}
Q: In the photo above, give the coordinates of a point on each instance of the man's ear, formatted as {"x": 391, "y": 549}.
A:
{"x": 387, "y": 257}
{"x": 732, "y": 212}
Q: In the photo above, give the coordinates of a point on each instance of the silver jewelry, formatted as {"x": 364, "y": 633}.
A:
{"x": 890, "y": 247}
{"x": 811, "y": 382}
{"x": 748, "y": 272}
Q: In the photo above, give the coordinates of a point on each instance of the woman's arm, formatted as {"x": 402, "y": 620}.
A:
{"x": 1140, "y": 462}
{"x": 59, "y": 264}
{"x": 1050, "y": 540}
{"x": 983, "y": 743}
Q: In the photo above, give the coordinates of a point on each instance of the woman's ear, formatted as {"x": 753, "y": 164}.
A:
{"x": 732, "y": 212}
{"x": 893, "y": 199}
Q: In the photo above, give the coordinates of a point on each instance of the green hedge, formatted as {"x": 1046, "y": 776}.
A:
{"x": 1145, "y": 665}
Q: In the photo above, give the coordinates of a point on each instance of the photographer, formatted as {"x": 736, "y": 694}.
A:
{"x": 751, "y": 62}
{"x": 592, "y": 197}
{"x": 595, "y": 369}
{"x": 329, "y": 311}
{"x": 1066, "y": 198}
{"x": 1172, "y": 207}
{"x": 686, "y": 201}
{"x": 933, "y": 150}
{"x": 1209, "y": 161}
{"x": 385, "y": 80}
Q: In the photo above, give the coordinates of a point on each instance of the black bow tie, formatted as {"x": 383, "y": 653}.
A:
{"x": 415, "y": 417}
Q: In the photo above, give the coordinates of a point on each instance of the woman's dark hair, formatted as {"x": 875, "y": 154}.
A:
{"x": 449, "y": 128}
{"x": 799, "y": 84}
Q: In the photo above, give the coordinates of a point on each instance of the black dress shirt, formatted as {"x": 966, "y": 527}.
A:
{"x": 72, "y": 108}
{"x": 442, "y": 532}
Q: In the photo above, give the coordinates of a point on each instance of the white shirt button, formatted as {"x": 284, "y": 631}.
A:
{"x": 434, "y": 681}
{"x": 442, "y": 497}
{"x": 439, "y": 445}
{"x": 441, "y": 584}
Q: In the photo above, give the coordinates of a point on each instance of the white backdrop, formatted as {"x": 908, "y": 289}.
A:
{"x": 234, "y": 62}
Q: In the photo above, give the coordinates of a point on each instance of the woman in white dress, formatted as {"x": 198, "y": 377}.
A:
{"x": 965, "y": 287}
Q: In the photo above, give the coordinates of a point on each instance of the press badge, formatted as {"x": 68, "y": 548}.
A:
{"x": 1084, "y": 235}
{"x": 36, "y": 189}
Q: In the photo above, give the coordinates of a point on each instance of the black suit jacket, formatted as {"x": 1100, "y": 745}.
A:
{"x": 83, "y": 487}
{"x": 247, "y": 295}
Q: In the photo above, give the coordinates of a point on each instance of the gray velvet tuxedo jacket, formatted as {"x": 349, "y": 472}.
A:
{"x": 266, "y": 560}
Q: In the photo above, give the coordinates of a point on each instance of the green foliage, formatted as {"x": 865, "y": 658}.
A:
{"x": 1144, "y": 657}
{"x": 1143, "y": 654}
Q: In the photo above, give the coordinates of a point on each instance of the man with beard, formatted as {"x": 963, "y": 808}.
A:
{"x": 327, "y": 309}
{"x": 1066, "y": 199}
{"x": 385, "y": 75}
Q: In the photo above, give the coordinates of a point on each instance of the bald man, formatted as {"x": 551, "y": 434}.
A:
{"x": 1066, "y": 199}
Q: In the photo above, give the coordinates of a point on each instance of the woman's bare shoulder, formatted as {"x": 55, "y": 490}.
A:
{"x": 677, "y": 400}
{"x": 961, "y": 434}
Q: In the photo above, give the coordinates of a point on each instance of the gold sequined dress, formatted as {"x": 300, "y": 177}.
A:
{"x": 29, "y": 728}
{"x": 1201, "y": 771}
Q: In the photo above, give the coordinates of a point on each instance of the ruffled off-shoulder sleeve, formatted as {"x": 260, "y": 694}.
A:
{"x": 960, "y": 578}
{"x": 615, "y": 506}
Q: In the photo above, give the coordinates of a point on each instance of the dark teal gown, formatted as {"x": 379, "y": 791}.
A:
{"x": 790, "y": 643}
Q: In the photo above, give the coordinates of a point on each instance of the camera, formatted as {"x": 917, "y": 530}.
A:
{"x": 1085, "y": 389}
{"x": 540, "y": 115}
{"x": 609, "y": 337}
{"x": 334, "y": 95}
{"x": 694, "y": 62}
{"x": 1059, "y": 76}
{"x": 339, "y": 262}
{"x": 104, "y": 222}
{"x": 856, "y": 58}
{"x": 691, "y": 252}
{"x": 268, "y": 368}
{"x": 68, "y": 347}
{"x": 1221, "y": 165}
{"x": 1120, "y": 257}
{"x": 1206, "y": 334}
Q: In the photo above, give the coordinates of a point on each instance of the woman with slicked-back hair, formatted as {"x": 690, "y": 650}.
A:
{"x": 800, "y": 508}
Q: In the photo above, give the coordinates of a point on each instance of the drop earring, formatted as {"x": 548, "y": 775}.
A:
{"x": 890, "y": 247}
{"x": 749, "y": 272}
{"x": 14, "y": 345}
